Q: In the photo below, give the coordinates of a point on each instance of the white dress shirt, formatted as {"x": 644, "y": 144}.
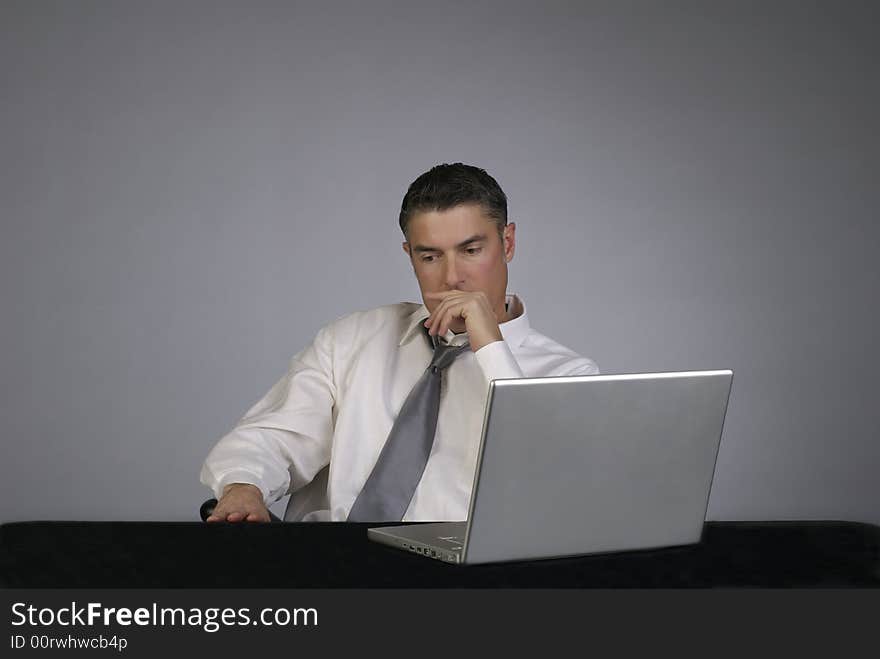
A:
{"x": 318, "y": 432}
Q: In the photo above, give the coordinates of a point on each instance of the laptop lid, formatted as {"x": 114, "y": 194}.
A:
{"x": 597, "y": 463}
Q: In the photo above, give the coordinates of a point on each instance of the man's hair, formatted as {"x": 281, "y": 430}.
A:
{"x": 446, "y": 186}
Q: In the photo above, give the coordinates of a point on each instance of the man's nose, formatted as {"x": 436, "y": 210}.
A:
{"x": 452, "y": 276}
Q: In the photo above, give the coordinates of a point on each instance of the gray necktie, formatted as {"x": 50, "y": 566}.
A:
{"x": 390, "y": 486}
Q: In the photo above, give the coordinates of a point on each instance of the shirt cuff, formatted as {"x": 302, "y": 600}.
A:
{"x": 497, "y": 361}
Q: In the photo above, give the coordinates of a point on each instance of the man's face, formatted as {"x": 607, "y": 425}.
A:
{"x": 460, "y": 249}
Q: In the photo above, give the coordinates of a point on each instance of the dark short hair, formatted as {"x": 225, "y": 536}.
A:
{"x": 446, "y": 186}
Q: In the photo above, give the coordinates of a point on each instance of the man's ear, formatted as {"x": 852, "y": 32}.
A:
{"x": 509, "y": 241}
{"x": 406, "y": 249}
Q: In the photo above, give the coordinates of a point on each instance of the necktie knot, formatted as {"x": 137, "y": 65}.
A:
{"x": 444, "y": 355}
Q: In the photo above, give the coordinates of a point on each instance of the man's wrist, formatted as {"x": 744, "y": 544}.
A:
{"x": 238, "y": 477}
{"x": 232, "y": 486}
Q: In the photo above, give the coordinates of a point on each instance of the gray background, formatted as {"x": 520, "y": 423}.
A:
{"x": 191, "y": 189}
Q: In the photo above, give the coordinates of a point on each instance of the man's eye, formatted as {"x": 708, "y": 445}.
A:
{"x": 474, "y": 250}
{"x": 427, "y": 258}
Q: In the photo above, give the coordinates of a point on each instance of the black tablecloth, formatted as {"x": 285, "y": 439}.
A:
{"x": 339, "y": 555}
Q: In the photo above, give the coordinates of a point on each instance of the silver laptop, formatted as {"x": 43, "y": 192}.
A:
{"x": 580, "y": 465}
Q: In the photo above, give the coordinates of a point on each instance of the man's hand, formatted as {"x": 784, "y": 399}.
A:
{"x": 240, "y": 502}
{"x": 464, "y": 310}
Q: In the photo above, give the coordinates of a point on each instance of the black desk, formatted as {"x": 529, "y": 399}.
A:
{"x": 322, "y": 555}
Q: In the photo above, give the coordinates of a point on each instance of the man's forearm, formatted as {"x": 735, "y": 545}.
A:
{"x": 497, "y": 361}
{"x": 247, "y": 456}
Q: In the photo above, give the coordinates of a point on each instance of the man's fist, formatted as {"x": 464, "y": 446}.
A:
{"x": 464, "y": 310}
{"x": 240, "y": 502}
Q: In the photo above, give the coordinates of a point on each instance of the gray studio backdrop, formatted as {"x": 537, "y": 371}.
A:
{"x": 191, "y": 189}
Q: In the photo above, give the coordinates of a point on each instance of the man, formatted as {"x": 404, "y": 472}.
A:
{"x": 319, "y": 432}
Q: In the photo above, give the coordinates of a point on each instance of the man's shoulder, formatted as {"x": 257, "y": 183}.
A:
{"x": 381, "y": 315}
{"x": 366, "y": 322}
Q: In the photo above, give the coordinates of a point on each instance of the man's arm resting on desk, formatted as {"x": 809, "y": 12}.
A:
{"x": 286, "y": 434}
{"x": 241, "y": 502}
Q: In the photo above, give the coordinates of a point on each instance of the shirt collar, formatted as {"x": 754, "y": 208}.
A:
{"x": 514, "y": 331}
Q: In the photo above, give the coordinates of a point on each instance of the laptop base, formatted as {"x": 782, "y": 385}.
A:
{"x": 442, "y": 541}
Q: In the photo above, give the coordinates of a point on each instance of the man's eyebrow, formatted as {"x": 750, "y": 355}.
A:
{"x": 464, "y": 243}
